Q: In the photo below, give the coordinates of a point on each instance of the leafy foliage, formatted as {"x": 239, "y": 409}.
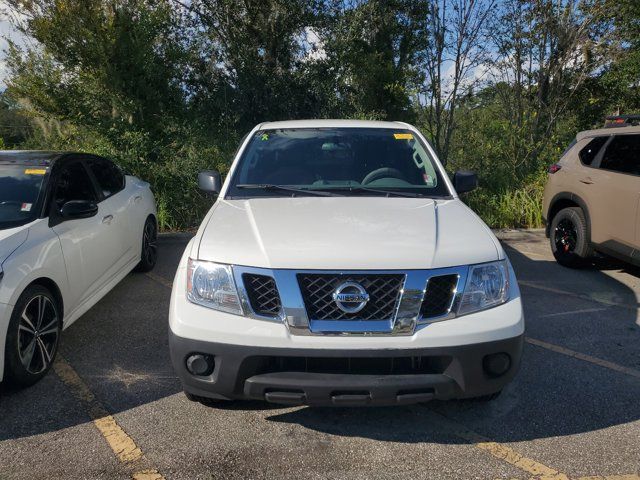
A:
{"x": 168, "y": 87}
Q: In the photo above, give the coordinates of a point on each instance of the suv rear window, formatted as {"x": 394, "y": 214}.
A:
{"x": 591, "y": 149}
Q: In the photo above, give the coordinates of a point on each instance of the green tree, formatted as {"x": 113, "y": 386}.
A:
{"x": 374, "y": 50}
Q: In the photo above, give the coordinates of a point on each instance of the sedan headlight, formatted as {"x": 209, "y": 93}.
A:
{"x": 211, "y": 285}
{"x": 487, "y": 286}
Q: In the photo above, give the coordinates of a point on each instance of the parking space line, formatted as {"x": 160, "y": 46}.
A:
{"x": 581, "y": 356}
{"x": 498, "y": 450}
{"x": 124, "y": 447}
{"x": 574, "y": 312}
{"x": 581, "y": 296}
{"x": 633, "y": 476}
{"x": 159, "y": 279}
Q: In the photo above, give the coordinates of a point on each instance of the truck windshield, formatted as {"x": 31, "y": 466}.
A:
{"x": 20, "y": 188}
{"x": 340, "y": 161}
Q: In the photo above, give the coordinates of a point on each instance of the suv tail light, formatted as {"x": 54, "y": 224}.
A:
{"x": 554, "y": 168}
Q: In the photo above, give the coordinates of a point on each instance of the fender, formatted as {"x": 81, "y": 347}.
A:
{"x": 572, "y": 197}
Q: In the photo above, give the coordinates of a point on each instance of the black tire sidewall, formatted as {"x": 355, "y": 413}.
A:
{"x": 144, "y": 265}
{"x": 581, "y": 251}
{"x": 15, "y": 373}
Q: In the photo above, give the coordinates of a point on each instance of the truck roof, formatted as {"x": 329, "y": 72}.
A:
{"x": 331, "y": 124}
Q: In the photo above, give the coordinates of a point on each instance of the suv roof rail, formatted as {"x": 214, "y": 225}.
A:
{"x": 622, "y": 120}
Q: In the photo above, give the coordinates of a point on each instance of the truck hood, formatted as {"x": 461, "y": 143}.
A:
{"x": 338, "y": 233}
{"x": 11, "y": 239}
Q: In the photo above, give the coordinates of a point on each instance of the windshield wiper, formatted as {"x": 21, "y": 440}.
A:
{"x": 285, "y": 188}
{"x": 388, "y": 193}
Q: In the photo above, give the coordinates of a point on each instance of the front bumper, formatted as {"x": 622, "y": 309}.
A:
{"x": 344, "y": 377}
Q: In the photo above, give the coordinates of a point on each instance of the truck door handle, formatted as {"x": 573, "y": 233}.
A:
{"x": 107, "y": 219}
{"x": 587, "y": 181}
{"x": 137, "y": 198}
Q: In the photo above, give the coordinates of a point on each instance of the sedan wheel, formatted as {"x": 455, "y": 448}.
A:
{"x": 33, "y": 336}
{"x": 38, "y": 334}
{"x": 149, "y": 253}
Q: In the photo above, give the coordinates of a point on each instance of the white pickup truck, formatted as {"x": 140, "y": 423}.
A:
{"x": 339, "y": 267}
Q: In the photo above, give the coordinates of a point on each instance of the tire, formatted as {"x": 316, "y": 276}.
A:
{"x": 32, "y": 337}
{"x": 149, "y": 251}
{"x": 570, "y": 238}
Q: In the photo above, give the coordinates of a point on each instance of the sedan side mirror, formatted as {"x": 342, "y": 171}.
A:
{"x": 465, "y": 181}
{"x": 75, "y": 209}
{"x": 209, "y": 181}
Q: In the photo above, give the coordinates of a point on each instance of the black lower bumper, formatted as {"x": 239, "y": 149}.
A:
{"x": 344, "y": 377}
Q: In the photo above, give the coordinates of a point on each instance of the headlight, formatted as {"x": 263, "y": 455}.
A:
{"x": 487, "y": 286}
{"x": 211, "y": 285}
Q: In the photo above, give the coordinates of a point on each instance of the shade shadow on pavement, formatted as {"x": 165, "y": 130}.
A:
{"x": 553, "y": 394}
{"x": 120, "y": 349}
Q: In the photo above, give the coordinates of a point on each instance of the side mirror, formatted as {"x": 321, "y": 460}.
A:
{"x": 75, "y": 209}
{"x": 210, "y": 182}
{"x": 465, "y": 181}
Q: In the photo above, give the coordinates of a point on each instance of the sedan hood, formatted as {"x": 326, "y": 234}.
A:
{"x": 345, "y": 233}
{"x": 11, "y": 239}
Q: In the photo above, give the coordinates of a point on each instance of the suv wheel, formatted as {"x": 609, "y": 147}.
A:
{"x": 32, "y": 337}
{"x": 570, "y": 237}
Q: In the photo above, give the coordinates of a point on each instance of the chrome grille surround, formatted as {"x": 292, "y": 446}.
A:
{"x": 406, "y": 318}
{"x": 317, "y": 292}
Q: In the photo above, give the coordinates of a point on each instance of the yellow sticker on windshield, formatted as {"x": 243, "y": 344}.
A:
{"x": 35, "y": 171}
{"x": 403, "y": 136}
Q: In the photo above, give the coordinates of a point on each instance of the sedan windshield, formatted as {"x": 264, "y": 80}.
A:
{"x": 20, "y": 188}
{"x": 336, "y": 161}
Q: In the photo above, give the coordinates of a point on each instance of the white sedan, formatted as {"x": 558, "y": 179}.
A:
{"x": 72, "y": 226}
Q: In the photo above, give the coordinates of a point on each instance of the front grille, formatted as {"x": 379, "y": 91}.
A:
{"x": 263, "y": 294}
{"x": 348, "y": 365}
{"x": 438, "y": 296}
{"x": 317, "y": 293}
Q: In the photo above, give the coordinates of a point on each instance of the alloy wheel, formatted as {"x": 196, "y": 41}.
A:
{"x": 150, "y": 243}
{"x": 38, "y": 334}
{"x": 565, "y": 236}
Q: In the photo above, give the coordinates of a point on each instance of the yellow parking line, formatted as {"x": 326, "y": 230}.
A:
{"x": 123, "y": 446}
{"x": 581, "y": 296}
{"x": 498, "y": 450}
{"x": 584, "y": 357}
{"x": 160, "y": 279}
{"x": 633, "y": 476}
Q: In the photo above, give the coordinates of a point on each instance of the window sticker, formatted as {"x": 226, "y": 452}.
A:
{"x": 429, "y": 180}
{"x": 35, "y": 171}
{"x": 26, "y": 207}
{"x": 264, "y": 137}
{"x": 403, "y": 136}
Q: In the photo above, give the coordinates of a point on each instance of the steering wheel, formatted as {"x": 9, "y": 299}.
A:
{"x": 384, "y": 172}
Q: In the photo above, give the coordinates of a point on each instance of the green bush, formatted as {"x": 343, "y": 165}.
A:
{"x": 519, "y": 207}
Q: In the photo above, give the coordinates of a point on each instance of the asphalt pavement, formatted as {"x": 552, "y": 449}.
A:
{"x": 113, "y": 408}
